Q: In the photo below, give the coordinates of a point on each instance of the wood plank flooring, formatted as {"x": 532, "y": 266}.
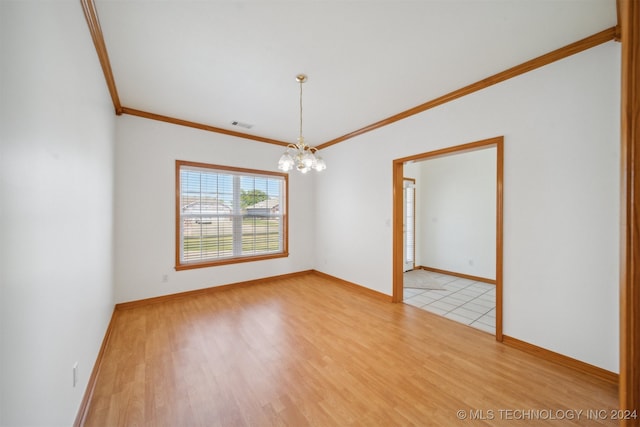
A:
{"x": 309, "y": 351}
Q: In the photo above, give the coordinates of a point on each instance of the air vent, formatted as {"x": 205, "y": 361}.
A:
{"x": 241, "y": 124}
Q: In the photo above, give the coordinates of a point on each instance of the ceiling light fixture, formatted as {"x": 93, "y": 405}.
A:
{"x": 300, "y": 155}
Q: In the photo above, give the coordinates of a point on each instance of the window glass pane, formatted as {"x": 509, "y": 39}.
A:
{"x": 228, "y": 215}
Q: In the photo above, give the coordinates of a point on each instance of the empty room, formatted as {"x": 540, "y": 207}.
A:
{"x": 203, "y": 216}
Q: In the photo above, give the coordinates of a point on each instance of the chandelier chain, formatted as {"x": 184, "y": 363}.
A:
{"x": 300, "y": 110}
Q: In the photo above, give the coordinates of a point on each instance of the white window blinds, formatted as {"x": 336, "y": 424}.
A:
{"x": 228, "y": 214}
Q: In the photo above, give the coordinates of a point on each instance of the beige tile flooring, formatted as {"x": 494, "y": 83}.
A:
{"x": 462, "y": 300}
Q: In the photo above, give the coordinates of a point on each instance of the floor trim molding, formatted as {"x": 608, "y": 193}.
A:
{"x": 155, "y": 300}
{"x": 561, "y": 359}
{"x": 461, "y": 275}
{"x": 81, "y": 416}
{"x": 359, "y": 288}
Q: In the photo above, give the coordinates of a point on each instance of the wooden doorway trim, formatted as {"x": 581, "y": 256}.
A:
{"x": 629, "y": 388}
{"x": 398, "y": 177}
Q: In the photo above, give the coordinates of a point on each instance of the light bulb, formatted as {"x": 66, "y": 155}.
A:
{"x": 286, "y": 162}
{"x": 308, "y": 158}
{"x": 320, "y": 165}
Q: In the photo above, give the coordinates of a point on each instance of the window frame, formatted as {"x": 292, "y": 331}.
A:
{"x": 180, "y": 264}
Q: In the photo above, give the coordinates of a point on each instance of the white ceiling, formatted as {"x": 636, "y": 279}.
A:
{"x": 216, "y": 61}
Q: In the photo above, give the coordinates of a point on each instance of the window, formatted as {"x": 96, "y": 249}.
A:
{"x": 226, "y": 215}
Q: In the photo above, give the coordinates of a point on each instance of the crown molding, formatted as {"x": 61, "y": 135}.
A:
{"x": 180, "y": 122}
{"x": 90, "y": 13}
{"x": 556, "y": 55}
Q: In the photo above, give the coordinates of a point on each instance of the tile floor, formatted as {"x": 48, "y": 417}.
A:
{"x": 462, "y": 300}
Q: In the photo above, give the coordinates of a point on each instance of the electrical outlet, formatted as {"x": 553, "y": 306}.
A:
{"x": 75, "y": 374}
{"x": 165, "y": 278}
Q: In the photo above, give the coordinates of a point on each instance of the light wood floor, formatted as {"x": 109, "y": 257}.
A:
{"x": 308, "y": 351}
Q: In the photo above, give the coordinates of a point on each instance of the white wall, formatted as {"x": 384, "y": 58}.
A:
{"x": 146, "y": 151}
{"x": 456, "y": 213}
{"x": 561, "y": 195}
{"x": 56, "y": 169}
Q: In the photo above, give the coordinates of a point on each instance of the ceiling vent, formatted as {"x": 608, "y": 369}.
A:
{"x": 241, "y": 124}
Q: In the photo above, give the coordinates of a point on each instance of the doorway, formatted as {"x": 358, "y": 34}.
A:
{"x": 400, "y": 216}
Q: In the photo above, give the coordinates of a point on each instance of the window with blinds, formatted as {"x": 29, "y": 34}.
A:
{"x": 226, "y": 215}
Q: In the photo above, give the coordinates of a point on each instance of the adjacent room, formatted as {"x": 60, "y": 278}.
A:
{"x": 203, "y": 216}
{"x": 450, "y": 234}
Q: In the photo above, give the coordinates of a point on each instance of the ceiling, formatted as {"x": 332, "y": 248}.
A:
{"x": 218, "y": 61}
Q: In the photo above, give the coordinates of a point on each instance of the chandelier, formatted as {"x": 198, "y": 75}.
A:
{"x": 300, "y": 155}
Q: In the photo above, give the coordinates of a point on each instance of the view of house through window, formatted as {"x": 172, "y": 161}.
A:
{"x": 228, "y": 215}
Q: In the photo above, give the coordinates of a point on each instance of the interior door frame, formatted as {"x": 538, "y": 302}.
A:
{"x": 398, "y": 204}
